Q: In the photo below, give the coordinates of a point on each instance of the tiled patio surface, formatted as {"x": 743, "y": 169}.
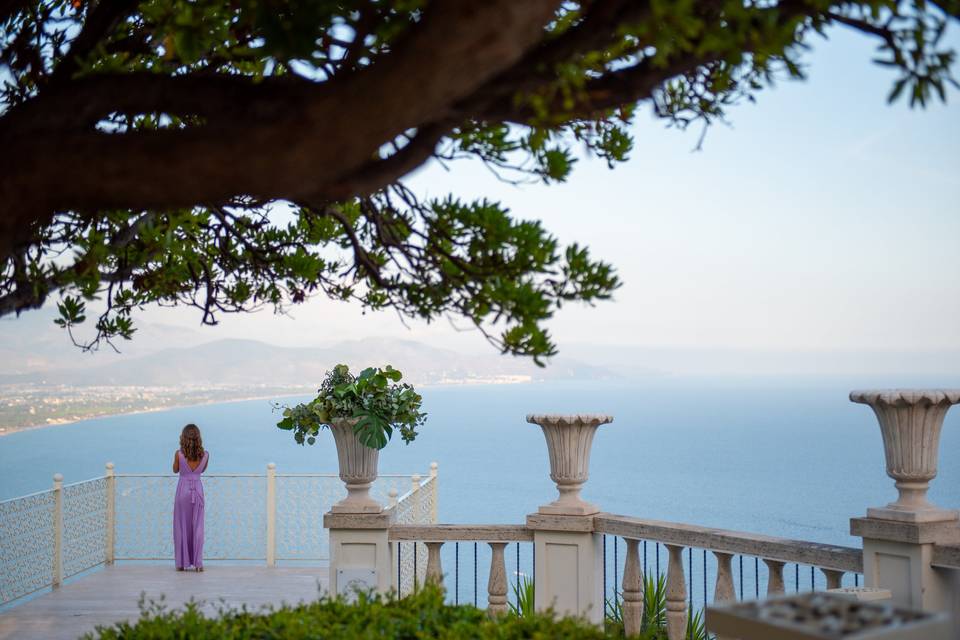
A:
{"x": 112, "y": 594}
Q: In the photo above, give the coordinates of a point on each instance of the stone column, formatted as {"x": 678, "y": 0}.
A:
{"x": 360, "y": 554}
{"x": 569, "y": 567}
{"x": 899, "y": 538}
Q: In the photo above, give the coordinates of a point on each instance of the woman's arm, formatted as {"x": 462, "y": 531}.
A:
{"x": 176, "y": 462}
{"x": 206, "y": 463}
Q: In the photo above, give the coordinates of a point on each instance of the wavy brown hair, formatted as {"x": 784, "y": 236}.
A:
{"x": 191, "y": 443}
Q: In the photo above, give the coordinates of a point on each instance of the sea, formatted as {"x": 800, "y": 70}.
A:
{"x": 784, "y": 456}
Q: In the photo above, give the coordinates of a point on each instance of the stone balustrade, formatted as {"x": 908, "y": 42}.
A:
{"x": 911, "y": 548}
{"x": 833, "y": 561}
{"x": 497, "y": 536}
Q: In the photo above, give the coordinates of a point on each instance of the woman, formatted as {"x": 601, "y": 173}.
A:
{"x": 189, "y": 461}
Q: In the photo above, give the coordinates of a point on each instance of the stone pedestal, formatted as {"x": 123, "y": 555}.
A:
{"x": 360, "y": 556}
{"x": 569, "y": 566}
{"x": 897, "y": 556}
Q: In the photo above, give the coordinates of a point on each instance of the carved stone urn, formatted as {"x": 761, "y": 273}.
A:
{"x": 569, "y": 439}
{"x": 358, "y": 468}
{"x": 910, "y": 423}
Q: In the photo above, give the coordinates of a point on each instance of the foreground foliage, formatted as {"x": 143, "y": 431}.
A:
{"x": 420, "y": 616}
{"x": 235, "y": 154}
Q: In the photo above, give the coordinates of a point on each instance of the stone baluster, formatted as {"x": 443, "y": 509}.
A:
{"x": 434, "y": 570}
{"x": 724, "y": 591}
{"x": 632, "y": 589}
{"x": 774, "y": 577}
{"x": 497, "y": 585}
{"x": 676, "y": 595}
{"x": 834, "y": 577}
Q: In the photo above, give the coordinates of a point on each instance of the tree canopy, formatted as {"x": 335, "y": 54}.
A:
{"x": 234, "y": 154}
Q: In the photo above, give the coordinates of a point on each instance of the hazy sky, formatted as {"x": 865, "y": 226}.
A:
{"x": 821, "y": 219}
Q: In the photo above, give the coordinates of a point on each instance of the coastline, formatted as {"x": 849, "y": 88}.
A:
{"x": 34, "y": 427}
{"x": 511, "y": 380}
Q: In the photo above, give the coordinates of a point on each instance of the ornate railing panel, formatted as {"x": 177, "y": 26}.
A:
{"x": 301, "y": 502}
{"x": 418, "y": 506}
{"x": 235, "y": 526}
{"x": 52, "y": 535}
{"x": 26, "y": 544}
{"x": 144, "y": 508}
{"x": 84, "y": 526}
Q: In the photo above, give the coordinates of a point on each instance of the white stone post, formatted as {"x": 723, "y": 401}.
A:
{"x": 271, "y": 514}
{"x": 110, "y": 550}
{"x": 569, "y": 568}
{"x": 57, "y": 530}
{"x": 434, "y": 494}
{"x": 899, "y": 539}
{"x": 393, "y": 494}
{"x": 360, "y": 553}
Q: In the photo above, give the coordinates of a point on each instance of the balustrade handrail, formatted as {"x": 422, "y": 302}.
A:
{"x": 460, "y": 533}
{"x": 824, "y": 556}
{"x": 35, "y": 493}
{"x": 946, "y": 556}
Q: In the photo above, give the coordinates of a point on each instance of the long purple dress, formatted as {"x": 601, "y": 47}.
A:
{"x": 188, "y": 515}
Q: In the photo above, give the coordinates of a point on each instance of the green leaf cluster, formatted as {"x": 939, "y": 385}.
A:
{"x": 376, "y": 398}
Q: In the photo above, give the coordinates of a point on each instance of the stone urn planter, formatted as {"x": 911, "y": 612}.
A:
{"x": 569, "y": 439}
{"x": 363, "y": 411}
{"x": 358, "y": 468}
{"x": 910, "y": 422}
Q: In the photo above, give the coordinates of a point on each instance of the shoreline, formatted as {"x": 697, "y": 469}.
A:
{"x": 451, "y": 383}
{"x": 34, "y": 427}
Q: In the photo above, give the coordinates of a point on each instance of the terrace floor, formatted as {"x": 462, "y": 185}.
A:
{"x": 112, "y": 594}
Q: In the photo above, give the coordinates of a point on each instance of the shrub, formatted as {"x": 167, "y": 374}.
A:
{"x": 419, "y": 616}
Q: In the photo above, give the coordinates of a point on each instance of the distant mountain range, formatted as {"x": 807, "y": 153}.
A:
{"x": 249, "y": 362}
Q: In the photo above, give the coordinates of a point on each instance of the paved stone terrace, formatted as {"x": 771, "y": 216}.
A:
{"x": 110, "y": 595}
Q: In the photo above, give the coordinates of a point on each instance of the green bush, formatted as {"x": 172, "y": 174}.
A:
{"x": 417, "y": 617}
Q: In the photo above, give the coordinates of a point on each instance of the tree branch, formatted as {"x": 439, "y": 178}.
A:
{"x": 330, "y": 133}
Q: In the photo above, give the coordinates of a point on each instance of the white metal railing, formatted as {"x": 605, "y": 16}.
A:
{"x": 49, "y": 536}
{"x": 419, "y": 505}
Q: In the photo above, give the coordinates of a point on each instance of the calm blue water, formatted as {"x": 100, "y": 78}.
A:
{"x": 789, "y": 457}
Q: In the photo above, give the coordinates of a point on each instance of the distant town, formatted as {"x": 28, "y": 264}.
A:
{"x": 27, "y": 406}
{"x": 35, "y": 405}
